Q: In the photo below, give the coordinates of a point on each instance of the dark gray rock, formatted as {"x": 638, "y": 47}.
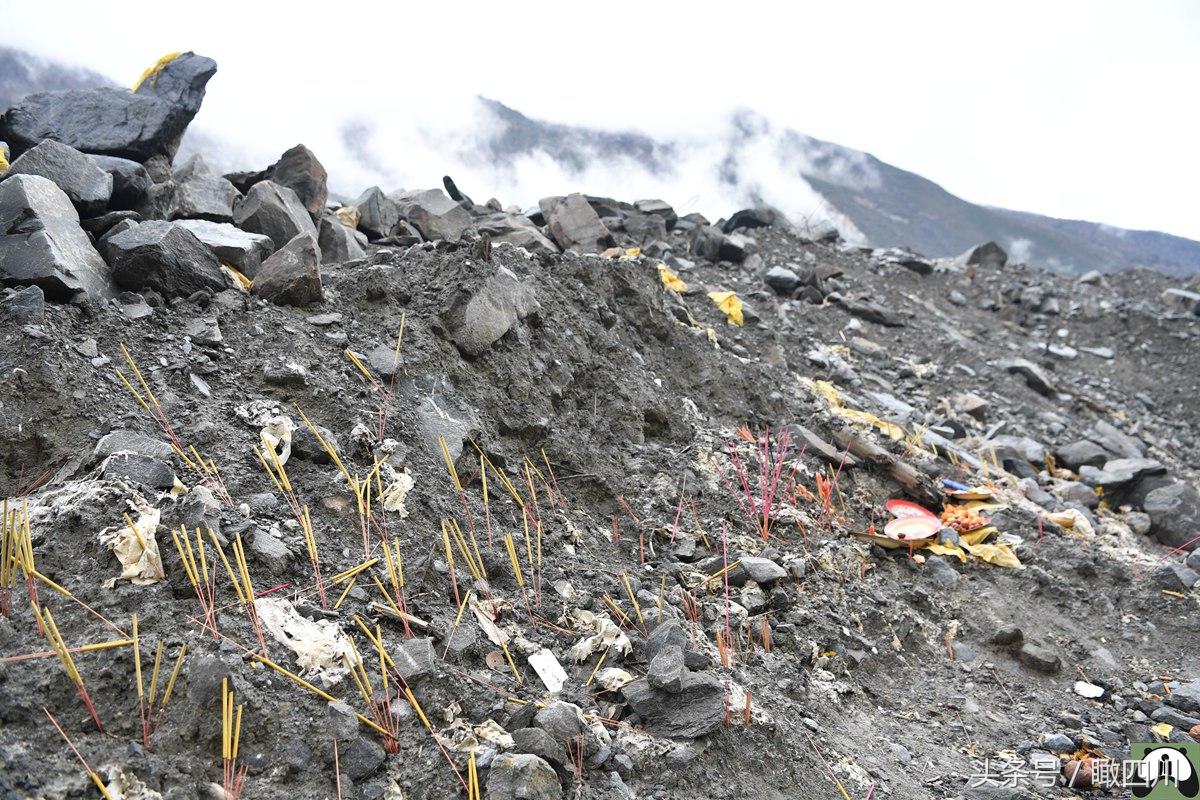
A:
{"x": 988, "y": 255}
{"x": 1175, "y": 577}
{"x": 130, "y": 180}
{"x": 869, "y": 310}
{"x": 667, "y": 669}
{"x": 782, "y": 280}
{"x": 479, "y": 320}
{"x": 139, "y": 469}
{"x": 361, "y": 758}
{"x": 1081, "y": 453}
{"x": 115, "y": 122}
{"x": 25, "y": 306}
{"x": 272, "y": 553}
{"x": 736, "y": 247}
{"x": 88, "y": 187}
{"x": 98, "y": 226}
{"x": 275, "y": 212}
{"x": 521, "y": 776}
{"x": 299, "y": 170}
{"x": 644, "y": 229}
{"x": 515, "y": 229}
{"x": 1058, "y": 743}
{"x": 240, "y": 249}
{"x": 378, "y": 213}
{"x": 660, "y": 209}
{"x": 758, "y": 217}
{"x": 415, "y": 659}
{"x": 705, "y": 242}
{"x": 563, "y": 721}
{"x": 697, "y": 709}
{"x": 1186, "y": 697}
{"x": 122, "y": 441}
{"x": 1116, "y": 442}
{"x": 671, "y": 633}
{"x": 200, "y": 193}
{"x": 434, "y": 214}
{"x": 42, "y": 244}
{"x": 900, "y": 257}
{"x": 338, "y": 243}
{"x": 537, "y": 742}
{"x": 574, "y": 225}
{"x": 762, "y": 571}
{"x": 164, "y": 257}
{"x": 292, "y": 275}
{"x": 1038, "y": 379}
{"x": 1039, "y": 658}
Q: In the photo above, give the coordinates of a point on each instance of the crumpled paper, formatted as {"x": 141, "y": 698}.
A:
{"x": 605, "y": 635}
{"x": 397, "y": 486}
{"x": 277, "y": 435}
{"x": 136, "y": 548}
{"x": 322, "y": 649}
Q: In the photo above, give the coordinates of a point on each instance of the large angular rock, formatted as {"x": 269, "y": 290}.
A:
{"x": 574, "y": 224}
{"x": 517, "y": 230}
{"x": 705, "y": 242}
{"x": 338, "y": 242}
{"x": 696, "y": 709}
{"x": 660, "y": 209}
{"x": 299, "y": 170}
{"x": 1174, "y": 514}
{"x": 434, "y": 214}
{"x": 758, "y": 217}
{"x": 131, "y": 181}
{"x": 1038, "y": 379}
{"x": 1082, "y": 453}
{"x": 200, "y": 193}
{"x": 292, "y": 276}
{"x": 273, "y": 211}
{"x": 241, "y": 249}
{"x": 88, "y": 186}
{"x": 164, "y": 257}
{"x": 987, "y": 255}
{"x": 41, "y": 243}
{"x": 521, "y": 776}
{"x": 378, "y": 213}
{"x": 479, "y": 320}
{"x": 115, "y": 122}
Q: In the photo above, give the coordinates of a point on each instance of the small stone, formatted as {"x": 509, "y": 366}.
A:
{"x": 1039, "y": 658}
{"x": 415, "y": 659}
{"x": 536, "y": 741}
{"x": 1058, "y": 743}
{"x": 361, "y": 758}
{"x": 292, "y": 275}
{"x": 561, "y": 720}
{"x": 521, "y": 776}
{"x": 762, "y": 571}
{"x": 1174, "y": 577}
{"x": 139, "y": 469}
{"x": 782, "y": 279}
{"x": 27, "y": 305}
{"x": 1175, "y": 514}
{"x": 971, "y": 404}
{"x": 667, "y": 669}
{"x": 574, "y": 225}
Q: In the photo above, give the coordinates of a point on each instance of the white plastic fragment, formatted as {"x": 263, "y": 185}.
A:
{"x": 322, "y": 648}
{"x": 136, "y": 548}
{"x": 546, "y": 665}
{"x": 1088, "y": 690}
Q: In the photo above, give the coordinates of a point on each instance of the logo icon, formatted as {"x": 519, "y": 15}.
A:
{"x": 1166, "y": 771}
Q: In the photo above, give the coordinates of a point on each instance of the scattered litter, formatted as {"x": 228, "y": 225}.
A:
{"x": 135, "y": 546}
{"x": 671, "y": 280}
{"x": 322, "y": 649}
{"x": 729, "y": 304}
{"x": 546, "y": 665}
{"x": 1072, "y": 521}
{"x": 612, "y": 678}
{"x": 277, "y": 435}
{"x": 399, "y": 484}
{"x": 833, "y": 397}
{"x": 606, "y": 635}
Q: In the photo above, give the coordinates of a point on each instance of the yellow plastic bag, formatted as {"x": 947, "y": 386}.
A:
{"x": 156, "y": 68}
{"x": 731, "y": 305}
{"x": 1000, "y": 555}
{"x": 671, "y": 280}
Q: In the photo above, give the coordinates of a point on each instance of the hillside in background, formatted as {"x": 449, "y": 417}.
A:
{"x": 746, "y": 161}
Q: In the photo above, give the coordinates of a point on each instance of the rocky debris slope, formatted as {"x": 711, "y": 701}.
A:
{"x": 588, "y": 500}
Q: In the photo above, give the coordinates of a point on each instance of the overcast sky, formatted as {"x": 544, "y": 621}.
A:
{"x": 1083, "y": 110}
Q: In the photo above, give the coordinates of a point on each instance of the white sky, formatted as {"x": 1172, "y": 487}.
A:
{"x": 1085, "y": 110}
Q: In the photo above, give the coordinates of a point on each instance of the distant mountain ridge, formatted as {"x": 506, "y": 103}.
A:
{"x": 748, "y": 160}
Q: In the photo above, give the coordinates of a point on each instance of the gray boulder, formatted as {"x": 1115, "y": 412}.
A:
{"x": 26, "y": 306}
{"x": 292, "y": 276}
{"x": 521, "y": 776}
{"x": 479, "y": 320}
{"x": 434, "y": 214}
{"x": 299, "y": 170}
{"x": 574, "y": 224}
{"x": 517, "y": 230}
{"x": 987, "y": 255}
{"x": 695, "y": 709}
{"x": 241, "y": 249}
{"x": 200, "y": 193}
{"x": 1038, "y": 379}
{"x": 339, "y": 243}
{"x": 164, "y": 257}
{"x": 131, "y": 181}
{"x": 782, "y": 279}
{"x": 41, "y": 243}
{"x": 88, "y": 186}
{"x": 1174, "y": 514}
{"x": 378, "y": 213}
{"x": 660, "y": 209}
{"x": 275, "y": 212}
{"x": 115, "y": 122}
{"x": 705, "y": 242}
{"x": 1082, "y": 453}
